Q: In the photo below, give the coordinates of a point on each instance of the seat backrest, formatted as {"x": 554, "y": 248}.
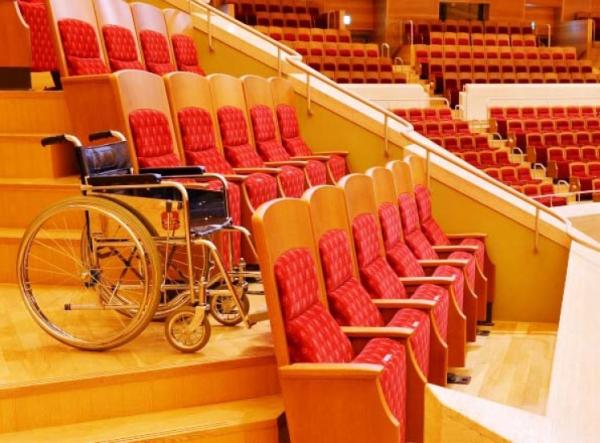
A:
{"x": 376, "y": 274}
{"x": 119, "y": 36}
{"x": 147, "y": 116}
{"x": 193, "y": 118}
{"x": 103, "y": 160}
{"x": 154, "y": 38}
{"x": 301, "y": 327}
{"x": 179, "y": 27}
{"x": 43, "y": 53}
{"x": 349, "y": 303}
{"x": 77, "y": 38}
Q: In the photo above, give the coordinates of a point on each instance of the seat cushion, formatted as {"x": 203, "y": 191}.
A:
{"x": 337, "y": 165}
{"x": 155, "y": 47}
{"x": 152, "y": 139}
{"x": 43, "y": 55}
{"x": 260, "y": 188}
{"x": 470, "y": 268}
{"x": 316, "y": 172}
{"x": 198, "y": 139}
{"x": 440, "y": 311}
{"x": 349, "y": 303}
{"x": 80, "y": 45}
{"x": 392, "y": 355}
{"x": 420, "y": 338}
{"x": 121, "y": 48}
{"x": 293, "y": 181}
{"x": 186, "y": 54}
{"x": 414, "y": 237}
{"x": 459, "y": 281}
{"x": 312, "y": 334}
{"x": 378, "y": 277}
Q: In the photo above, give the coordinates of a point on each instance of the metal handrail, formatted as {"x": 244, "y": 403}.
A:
{"x": 293, "y": 58}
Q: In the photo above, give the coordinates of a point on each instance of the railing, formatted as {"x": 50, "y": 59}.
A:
{"x": 293, "y": 59}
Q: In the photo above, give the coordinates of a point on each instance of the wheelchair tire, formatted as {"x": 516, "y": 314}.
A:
{"x": 223, "y": 309}
{"x": 178, "y": 335}
{"x": 80, "y": 299}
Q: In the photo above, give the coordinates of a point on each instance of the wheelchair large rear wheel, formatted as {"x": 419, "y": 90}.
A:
{"x": 78, "y": 292}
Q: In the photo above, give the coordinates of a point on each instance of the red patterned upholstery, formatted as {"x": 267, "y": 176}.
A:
{"x": 234, "y": 133}
{"x": 121, "y": 48}
{"x": 155, "y": 48}
{"x": 294, "y": 144}
{"x": 81, "y": 49}
{"x": 152, "y": 138}
{"x": 459, "y": 281}
{"x": 43, "y": 55}
{"x": 317, "y": 172}
{"x": 393, "y": 379}
{"x": 413, "y": 235}
{"x": 186, "y": 54}
{"x": 377, "y": 276}
{"x": 440, "y": 311}
{"x": 260, "y": 188}
{"x": 292, "y": 181}
{"x": 433, "y": 231}
{"x": 420, "y": 338}
{"x": 198, "y": 139}
{"x": 349, "y": 303}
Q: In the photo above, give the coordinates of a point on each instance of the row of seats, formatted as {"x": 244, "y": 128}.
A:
{"x": 442, "y": 128}
{"x": 307, "y": 248}
{"x": 294, "y": 12}
{"x": 424, "y": 53}
{"x": 499, "y": 117}
{"x": 467, "y": 142}
{"x": 423, "y": 28}
{"x": 414, "y": 115}
{"x": 584, "y": 177}
{"x": 328, "y": 38}
{"x": 289, "y": 20}
{"x": 284, "y": 6}
{"x": 544, "y": 193}
{"x": 100, "y": 36}
{"x": 478, "y": 39}
{"x": 537, "y": 143}
{"x": 463, "y": 78}
{"x": 487, "y": 159}
{"x": 560, "y": 158}
{"x": 257, "y": 144}
{"x": 585, "y": 130}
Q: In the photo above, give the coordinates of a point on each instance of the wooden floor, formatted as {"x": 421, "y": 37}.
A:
{"x": 28, "y": 355}
{"x": 512, "y": 365}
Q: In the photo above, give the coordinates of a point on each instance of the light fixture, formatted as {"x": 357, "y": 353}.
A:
{"x": 347, "y": 19}
{"x": 533, "y": 25}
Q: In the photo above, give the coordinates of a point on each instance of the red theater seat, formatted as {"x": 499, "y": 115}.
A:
{"x": 81, "y": 49}
{"x": 156, "y": 52}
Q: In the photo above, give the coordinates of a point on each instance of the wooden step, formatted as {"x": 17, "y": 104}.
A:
{"x": 253, "y": 420}
{"x": 23, "y": 156}
{"x": 45, "y": 383}
{"x": 27, "y": 112}
{"x": 22, "y": 199}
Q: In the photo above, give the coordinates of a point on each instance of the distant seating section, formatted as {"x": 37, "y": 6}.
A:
{"x": 273, "y": 12}
{"x": 497, "y": 34}
{"x": 102, "y": 36}
{"x": 332, "y": 52}
{"x": 450, "y": 67}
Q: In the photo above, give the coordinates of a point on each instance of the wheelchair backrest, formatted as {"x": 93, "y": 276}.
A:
{"x": 109, "y": 159}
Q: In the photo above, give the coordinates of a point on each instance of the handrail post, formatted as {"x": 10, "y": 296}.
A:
{"x": 386, "y": 140}
{"x": 308, "y": 94}
{"x": 412, "y": 33}
{"x": 537, "y": 231}
{"x": 549, "y": 34}
{"x": 428, "y": 168}
{"x": 278, "y": 61}
{"x": 209, "y": 25}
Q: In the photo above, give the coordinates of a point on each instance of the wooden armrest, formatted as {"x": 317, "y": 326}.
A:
{"x": 376, "y": 331}
{"x": 245, "y": 171}
{"x": 311, "y": 157}
{"x": 435, "y": 263}
{"x": 320, "y": 370}
{"x": 479, "y": 235}
{"x": 235, "y": 178}
{"x": 442, "y": 281}
{"x": 286, "y": 163}
{"x": 454, "y": 248}
{"x": 400, "y": 303}
{"x": 340, "y": 153}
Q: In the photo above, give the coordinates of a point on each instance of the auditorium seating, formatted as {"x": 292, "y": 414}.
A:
{"x": 463, "y": 31}
{"x": 318, "y": 359}
{"x": 100, "y": 36}
{"x": 289, "y": 129}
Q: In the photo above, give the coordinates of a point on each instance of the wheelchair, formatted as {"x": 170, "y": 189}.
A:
{"x": 94, "y": 270}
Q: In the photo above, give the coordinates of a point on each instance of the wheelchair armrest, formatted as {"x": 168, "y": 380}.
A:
{"x": 124, "y": 180}
{"x": 173, "y": 171}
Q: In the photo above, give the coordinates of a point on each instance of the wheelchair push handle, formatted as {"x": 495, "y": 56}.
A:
{"x": 106, "y": 134}
{"x": 61, "y": 138}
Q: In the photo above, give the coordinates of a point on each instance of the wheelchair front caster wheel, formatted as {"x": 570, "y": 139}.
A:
{"x": 188, "y": 329}
{"x": 225, "y": 311}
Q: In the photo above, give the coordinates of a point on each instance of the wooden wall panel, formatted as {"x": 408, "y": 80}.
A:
{"x": 571, "y": 7}
{"x": 362, "y": 11}
{"x": 542, "y": 16}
